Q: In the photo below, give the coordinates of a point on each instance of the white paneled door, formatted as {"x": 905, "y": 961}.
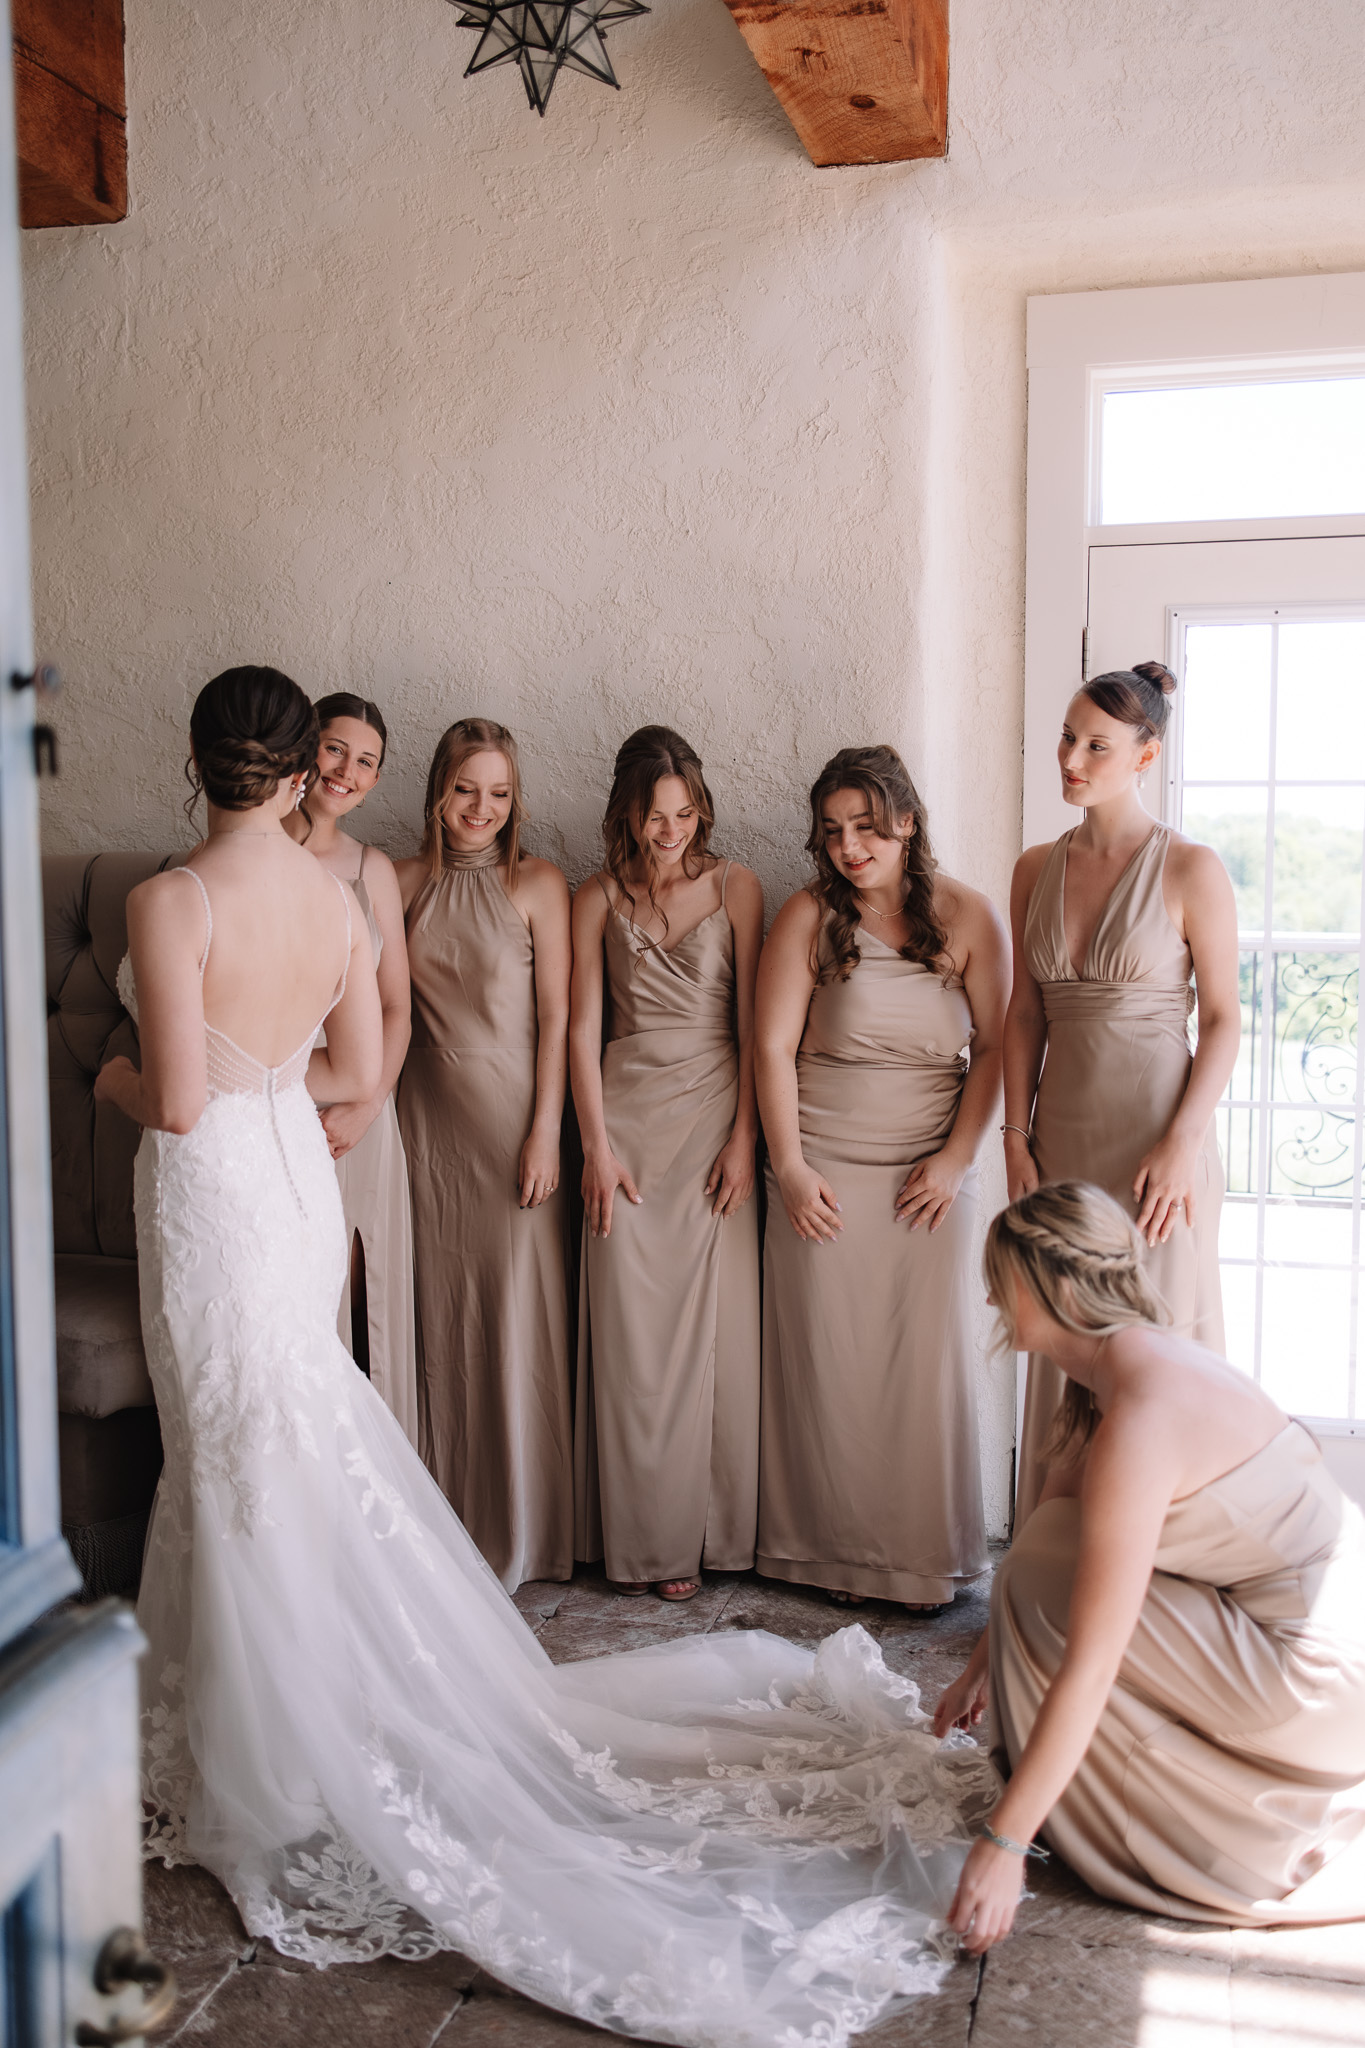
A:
{"x": 1265, "y": 761}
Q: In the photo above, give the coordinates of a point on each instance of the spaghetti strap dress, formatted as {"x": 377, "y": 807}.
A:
{"x": 492, "y": 1277}
{"x": 1226, "y": 1779}
{"x": 870, "y": 1476}
{"x": 373, "y": 1177}
{"x": 666, "y": 1439}
{"x": 1116, "y": 1066}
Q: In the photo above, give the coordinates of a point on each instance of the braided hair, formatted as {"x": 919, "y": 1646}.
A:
{"x": 1081, "y": 1259}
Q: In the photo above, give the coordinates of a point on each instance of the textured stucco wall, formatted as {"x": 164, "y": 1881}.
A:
{"x": 624, "y": 414}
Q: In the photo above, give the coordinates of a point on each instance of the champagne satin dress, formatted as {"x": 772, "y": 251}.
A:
{"x": 1226, "y": 1779}
{"x": 492, "y": 1281}
{"x": 373, "y": 1177}
{"x": 1114, "y": 1072}
{"x": 668, "y": 1347}
{"x": 870, "y": 1478}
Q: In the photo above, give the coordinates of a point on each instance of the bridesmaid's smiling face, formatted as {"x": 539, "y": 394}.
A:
{"x": 349, "y": 754}
{"x": 478, "y": 802}
{"x": 671, "y": 826}
{"x": 858, "y": 850}
{"x": 1100, "y": 757}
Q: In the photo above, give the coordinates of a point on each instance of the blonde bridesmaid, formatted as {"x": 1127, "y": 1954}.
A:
{"x": 666, "y": 943}
{"x": 1111, "y": 922}
{"x": 1175, "y": 1662}
{"x": 376, "y": 1317}
{"x": 881, "y": 1000}
{"x": 480, "y": 1105}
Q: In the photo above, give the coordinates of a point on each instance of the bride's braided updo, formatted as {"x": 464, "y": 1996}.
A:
{"x": 250, "y": 727}
{"x": 1081, "y": 1259}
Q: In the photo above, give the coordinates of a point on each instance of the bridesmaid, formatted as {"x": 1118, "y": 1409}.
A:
{"x": 1110, "y": 921}
{"x": 376, "y": 1319}
{"x": 873, "y": 984}
{"x": 667, "y": 1424}
{"x": 1176, "y": 1654}
{"x": 480, "y": 1105}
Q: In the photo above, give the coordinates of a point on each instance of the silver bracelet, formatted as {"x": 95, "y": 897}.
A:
{"x": 1014, "y": 1848}
{"x": 1022, "y": 1132}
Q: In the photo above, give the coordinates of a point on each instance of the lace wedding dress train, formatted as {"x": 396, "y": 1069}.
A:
{"x": 721, "y": 1840}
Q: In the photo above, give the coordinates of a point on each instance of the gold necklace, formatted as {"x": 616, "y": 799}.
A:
{"x": 888, "y": 914}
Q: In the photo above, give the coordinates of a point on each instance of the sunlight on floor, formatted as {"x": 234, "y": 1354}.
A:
{"x": 1205, "y": 2008}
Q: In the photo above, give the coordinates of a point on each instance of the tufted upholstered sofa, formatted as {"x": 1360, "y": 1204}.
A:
{"x": 110, "y": 1446}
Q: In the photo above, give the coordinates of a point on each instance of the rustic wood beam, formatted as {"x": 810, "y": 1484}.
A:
{"x": 861, "y": 81}
{"x": 70, "y": 112}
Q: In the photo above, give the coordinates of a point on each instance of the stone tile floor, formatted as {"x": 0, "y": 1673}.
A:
{"x": 1077, "y": 1973}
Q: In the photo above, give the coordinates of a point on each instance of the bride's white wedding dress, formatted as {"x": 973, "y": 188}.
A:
{"x": 725, "y": 1839}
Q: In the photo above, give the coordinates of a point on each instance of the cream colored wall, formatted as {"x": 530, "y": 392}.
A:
{"x": 625, "y": 414}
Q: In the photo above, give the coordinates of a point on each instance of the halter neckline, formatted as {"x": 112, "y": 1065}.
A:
{"x": 487, "y": 857}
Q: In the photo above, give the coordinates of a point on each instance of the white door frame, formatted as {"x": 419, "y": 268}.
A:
{"x": 1079, "y": 345}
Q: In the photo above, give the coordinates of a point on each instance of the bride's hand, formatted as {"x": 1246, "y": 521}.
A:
{"x": 346, "y": 1124}
{"x": 963, "y": 1703}
{"x": 987, "y": 1897}
{"x": 112, "y": 1080}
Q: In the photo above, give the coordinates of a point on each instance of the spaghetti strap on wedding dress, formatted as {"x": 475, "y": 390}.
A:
{"x": 720, "y": 1840}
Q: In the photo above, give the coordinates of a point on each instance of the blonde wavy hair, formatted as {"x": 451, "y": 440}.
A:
{"x": 471, "y": 736}
{"x": 1080, "y": 1258}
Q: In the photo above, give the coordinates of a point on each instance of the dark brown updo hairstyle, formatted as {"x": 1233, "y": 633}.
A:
{"x": 341, "y": 704}
{"x": 880, "y": 776}
{"x": 250, "y": 727}
{"x": 642, "y": 762}
{"x": 1139, "y": 696}
{"x": 471, "y": 736}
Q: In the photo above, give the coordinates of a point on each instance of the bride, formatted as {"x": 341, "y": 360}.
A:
{"x": 719, "y": 1840}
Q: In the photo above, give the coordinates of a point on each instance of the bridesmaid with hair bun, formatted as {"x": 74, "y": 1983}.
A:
{"x": 666, "y": 944}
{"x": 376, "y": 1319}
{"x": 1112, "y": 922}
{"x": 480, "y": 1106}
{"x": 881, "y": 1000}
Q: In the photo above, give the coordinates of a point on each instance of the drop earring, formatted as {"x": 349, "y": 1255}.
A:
{"x": 298, "y": 794}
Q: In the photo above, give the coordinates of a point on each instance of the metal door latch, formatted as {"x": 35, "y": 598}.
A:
{"x": 126, "y": 1959}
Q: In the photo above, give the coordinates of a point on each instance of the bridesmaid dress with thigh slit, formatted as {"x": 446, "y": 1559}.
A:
{"x": 492, "y": 1281}
{"x": 373, "y": 1177}
{"x": 1116, "y": 1066}
{"x": 668, "y": 1358}
{"x": 870, "y": 1479}
{"x": 1226, "y": 1779}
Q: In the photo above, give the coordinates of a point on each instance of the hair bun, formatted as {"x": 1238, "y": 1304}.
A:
{"x": 1156, "y": 673}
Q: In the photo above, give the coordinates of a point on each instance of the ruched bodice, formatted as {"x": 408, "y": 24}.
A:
{"x": 689, "y": 986}
{"x": 1115, "y": 1070}
{"x": 472, "y": 962}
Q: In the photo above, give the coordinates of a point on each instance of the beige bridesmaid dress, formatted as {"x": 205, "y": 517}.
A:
{"x": 492, "y": 1283}
{"x": 668, "y": 1350}
{"x": 1226, "y": 1779}
{"x": 1116, "y": 1066}
{"x": 377, "y": 1206}
{"x": 870, "y": 1477}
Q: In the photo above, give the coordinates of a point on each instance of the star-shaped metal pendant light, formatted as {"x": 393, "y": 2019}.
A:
{"x": 542, "y": 36}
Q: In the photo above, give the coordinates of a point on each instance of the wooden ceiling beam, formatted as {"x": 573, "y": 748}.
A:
{"x": 861, "y": 81}
{"x": 70, "y": 112}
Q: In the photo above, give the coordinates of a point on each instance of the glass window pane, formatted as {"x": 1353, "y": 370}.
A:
{"x": 1309, "y": 1233}
{"x": 1238, "y": 1133}
{"x": 1237, "y": 1230}
{"x": 1225, "y": 704}
{"x": 1233, "y": 451}
{"x": 1320, "y": 702}
{"x": 1317, "y": 859}
{"x": 1311, "y": 1151}
{"x": 1316, "y": 1004}
{"x": 1239, "y": 1315}
{"x": 1305, "y": 1339}
{"x": 1232, "y": 822}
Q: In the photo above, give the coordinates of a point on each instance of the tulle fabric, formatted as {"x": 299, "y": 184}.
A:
{"x": 724, "y": 1839}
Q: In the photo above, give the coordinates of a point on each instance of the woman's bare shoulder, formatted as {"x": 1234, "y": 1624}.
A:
{"x": 799, "y": 915}
{"x": 541, "y": 878}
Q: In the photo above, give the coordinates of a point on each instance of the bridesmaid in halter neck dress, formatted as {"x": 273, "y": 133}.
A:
{"x": 1110, "y": 923}
{"x": 874, "y": 984}
{"x": 666, "y": 1435}
{"x": 376, "y": 1319}
{"x": 480, "y": 1105}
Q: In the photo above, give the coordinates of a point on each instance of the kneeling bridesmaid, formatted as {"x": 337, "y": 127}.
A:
{"x": 666, "y": 943}
{"x": 1176, "y": 1652}
{"x": 480, "y": 1105}
{"x": 881, "y": 1001}
{"x": 376, "y": 1320}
